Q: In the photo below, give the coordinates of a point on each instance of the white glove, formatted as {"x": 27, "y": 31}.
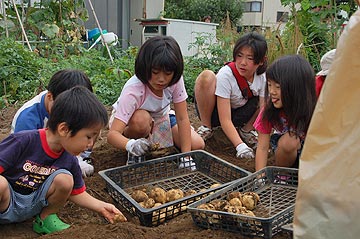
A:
{"x": 187, "y": 162}
{"x": 86, "y": 169}
{"x": 138, "y": 147}
{"x": 243, "y": 151}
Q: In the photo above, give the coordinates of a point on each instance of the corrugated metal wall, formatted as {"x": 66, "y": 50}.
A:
{"x": 113, "y": 15}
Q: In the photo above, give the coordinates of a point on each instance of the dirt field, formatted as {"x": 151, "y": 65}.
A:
{"x": 87, "y": 224}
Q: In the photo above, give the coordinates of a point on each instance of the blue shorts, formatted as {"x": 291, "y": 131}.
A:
{"x": 274, "y": 139}
{"x": 23, "y": 207}
{"x": 172, "y": 120}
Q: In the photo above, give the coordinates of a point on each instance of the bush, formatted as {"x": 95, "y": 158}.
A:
{"x": 20, "y": 72}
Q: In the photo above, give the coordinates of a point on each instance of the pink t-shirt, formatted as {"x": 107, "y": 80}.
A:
{"x": 135, "y": 95}
{"x": 265, "y": 127}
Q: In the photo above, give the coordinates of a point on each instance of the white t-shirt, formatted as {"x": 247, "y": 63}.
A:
{"x": 227, "y": 87}
{"x": 135, "y": 95}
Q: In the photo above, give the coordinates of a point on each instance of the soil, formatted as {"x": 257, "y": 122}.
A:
{"x": 88, "y": 224}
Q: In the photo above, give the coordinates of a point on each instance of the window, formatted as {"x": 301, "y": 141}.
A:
{"x": 254, "y": 6}
{"x": 282, "y": 16}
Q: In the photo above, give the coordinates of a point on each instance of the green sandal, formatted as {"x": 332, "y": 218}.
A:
{"x": 49, "y": 225}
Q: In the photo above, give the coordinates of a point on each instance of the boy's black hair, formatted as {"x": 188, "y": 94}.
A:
{"x": 258, "y": 45}
{"x": 160, "y": 53}
{"x": 78, "y": 108}
{"x": 66, "y": 79}
{"x": 296, "y": 77}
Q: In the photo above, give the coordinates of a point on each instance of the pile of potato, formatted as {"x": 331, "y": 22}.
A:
{"x": 158, "y": 196}
{"x": 236, "y": 202}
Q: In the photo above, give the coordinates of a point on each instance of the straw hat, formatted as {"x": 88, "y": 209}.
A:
{"x": 326, "y": 61}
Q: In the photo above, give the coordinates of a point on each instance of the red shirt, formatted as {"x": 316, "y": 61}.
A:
{"x": 319, "y": 81}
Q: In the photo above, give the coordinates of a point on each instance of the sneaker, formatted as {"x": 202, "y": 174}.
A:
{"x": 49, "y": 225}
{"x": 132, "y": 159}
{"x": 250, "y": 138}
{"x": 205, "y": 132}
{"x": 86, "y": 168}
{"x": 282, "y": 179}
{"x": 187, "y": 163}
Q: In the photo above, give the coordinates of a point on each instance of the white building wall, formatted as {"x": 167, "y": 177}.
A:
{"x": 142, "y": 9}
{"x": 267, "y": 17}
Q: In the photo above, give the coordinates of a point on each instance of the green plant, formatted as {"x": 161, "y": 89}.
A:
{"x": 319, "y": 25}
{"x": 19, "y": 72}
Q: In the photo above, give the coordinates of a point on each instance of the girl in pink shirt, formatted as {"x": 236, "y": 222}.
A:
{"x": 290, "y": 100}
{"x": 142, "y": 115}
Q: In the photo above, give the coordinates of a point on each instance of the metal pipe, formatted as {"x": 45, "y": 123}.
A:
{"x": 101, "y": 34}
{"x": 22, "y": 27}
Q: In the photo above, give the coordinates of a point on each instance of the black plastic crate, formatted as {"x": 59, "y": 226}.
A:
{"x": 165, "y": 173}
{"x": 277, "y": 189}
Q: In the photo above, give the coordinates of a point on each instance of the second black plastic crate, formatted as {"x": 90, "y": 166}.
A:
{"x": 277, "y": 189}
{"x": 166, "y": 173}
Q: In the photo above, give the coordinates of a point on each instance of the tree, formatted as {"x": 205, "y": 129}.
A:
{"x": 196, "y": 10}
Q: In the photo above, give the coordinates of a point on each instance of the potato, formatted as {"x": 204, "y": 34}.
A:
{"x": 247, "y": 212}
{"x": 158, "y": 194}
{"x": 219, "y": 204}
{"x": 232, "y": 209}
{"x": 235, "y": 202}
{"x": 159, "y": 216}
{"x": 250, "y": 200}
{"x": 119, "y": 218}
{"x": 215, "y": 185}
{"x": 154, "y": 146}
{"x": 139, "y": 196}
{"x": 189, "y": 192}
{"x": 149, "y": 203}
{"x": 157, "y": 204}
{"x": 174, "y": 194}
{"x": 234, "y": 195}
{"x": 206, "y": 206}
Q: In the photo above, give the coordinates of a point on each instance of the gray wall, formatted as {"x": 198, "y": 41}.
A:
{"x": 113, "y": 15}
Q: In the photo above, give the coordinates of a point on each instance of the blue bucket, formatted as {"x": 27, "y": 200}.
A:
{"x": 94, "y": 34}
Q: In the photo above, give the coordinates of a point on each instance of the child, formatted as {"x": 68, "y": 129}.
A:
{"x": 141, "y": 115}
{"x": 34, "y": 114}
{"x": 38, "y": 170}
{"x": 290, "y": 101}
{"x": 325, "y": 63}
{"x": 221, "y": 102}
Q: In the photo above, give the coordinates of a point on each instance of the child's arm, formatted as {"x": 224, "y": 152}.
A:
{"x": 183, "y": 122}
{"x": 107, "y": 210}
{"x": 117, "y": 138}
{"x": 224, "y": 111}
{"x": 115, "y": 135}
{"x": 262, "y": 151}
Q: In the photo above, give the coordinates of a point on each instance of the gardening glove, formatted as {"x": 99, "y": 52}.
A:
{"x": 187, "y": 162}
{"x": 138, "y": 147}
{"x": 243, "y": 151}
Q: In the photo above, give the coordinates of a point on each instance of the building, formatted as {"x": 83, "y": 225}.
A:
{"x": 264, "y": 14}
{"x": 136, "y": 20}
{"x": 119, "y": 16}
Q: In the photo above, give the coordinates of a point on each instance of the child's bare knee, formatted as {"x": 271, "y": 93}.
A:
{"x": 205, "y": 78}
{"x": 63, "y": 182}
{"x": 288, "y": 143}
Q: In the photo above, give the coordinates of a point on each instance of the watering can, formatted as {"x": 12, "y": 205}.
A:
{"x": 109, "y": 38}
